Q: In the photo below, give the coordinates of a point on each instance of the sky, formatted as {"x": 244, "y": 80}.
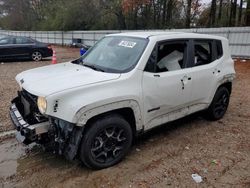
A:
{"x": 206, "y": 1}
{"x": 209, "y": 1}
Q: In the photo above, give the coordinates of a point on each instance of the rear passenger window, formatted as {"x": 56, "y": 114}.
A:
{"x": 219, "y": 49}
{"x": 202, "y": 52}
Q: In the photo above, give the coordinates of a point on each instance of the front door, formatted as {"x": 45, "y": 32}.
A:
{"x": 166, "y": 83}
{"x": 23, "y": 46}
{"x": 6, "y": 46}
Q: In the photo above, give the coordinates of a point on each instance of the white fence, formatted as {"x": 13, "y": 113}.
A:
{"x": 239, "y": 37}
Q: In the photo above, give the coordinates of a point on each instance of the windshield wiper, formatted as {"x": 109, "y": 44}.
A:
{"x": 93, "y": 67}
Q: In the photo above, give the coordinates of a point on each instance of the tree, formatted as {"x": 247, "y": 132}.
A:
{"x": 212, "y": 13}
{"x": 115, "y": 7}
{"x": 14, "y": 14}
{"x": 240, "y": 12}
{"x": 232, "y": 17}
{"x": 120, "y": 14}
{"x": 220, "y": 10}
{"x": 248, "y": 13}
{"x": 170, "y": 7}
{"x": 195, "y": 10}
{"x": 188, "y": 13}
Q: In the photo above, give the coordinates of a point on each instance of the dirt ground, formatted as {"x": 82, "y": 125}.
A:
{"x": 165, "y": 157}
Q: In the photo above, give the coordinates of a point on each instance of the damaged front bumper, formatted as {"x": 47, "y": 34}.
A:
{"x": 26, "y": 133}
{"x": 54, "y": 134}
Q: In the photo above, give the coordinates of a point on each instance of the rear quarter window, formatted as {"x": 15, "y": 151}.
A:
{"x": 219, "y": 49}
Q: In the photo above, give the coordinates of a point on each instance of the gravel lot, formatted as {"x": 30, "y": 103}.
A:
{"x": 165, "y": 157}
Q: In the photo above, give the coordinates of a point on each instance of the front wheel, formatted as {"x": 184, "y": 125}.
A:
{"x": 219, "y": 105}
{"x": 36, "y": 56}
{"x": 106, "y": 142}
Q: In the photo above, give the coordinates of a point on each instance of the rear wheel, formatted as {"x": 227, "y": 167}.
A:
{"x": 36, "y": 56}
{"x": 219, "y": 105}
{"x": 106, "y": 142}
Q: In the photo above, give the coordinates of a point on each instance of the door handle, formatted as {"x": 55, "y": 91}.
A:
{"x": 157, "y": 75}
{"x": 184, "y": 81}
{"x": 216, "y": 71}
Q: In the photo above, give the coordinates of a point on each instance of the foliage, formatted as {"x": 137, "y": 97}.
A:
{"x": 120, "y": 14}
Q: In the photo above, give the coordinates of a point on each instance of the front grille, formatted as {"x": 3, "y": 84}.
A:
{"x": 31, "y": 113}
{"x": 29, "y": 97}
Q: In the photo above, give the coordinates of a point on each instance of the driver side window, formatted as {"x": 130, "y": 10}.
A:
{"x": 167, "y": 56}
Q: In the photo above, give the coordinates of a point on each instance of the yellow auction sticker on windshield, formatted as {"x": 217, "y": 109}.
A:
{"x": 127, "y": 44}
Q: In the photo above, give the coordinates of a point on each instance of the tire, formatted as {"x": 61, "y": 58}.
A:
{"x": 106, "y": 142}
{"x": 218, "y": 107}
{"x": 36, "y": 56}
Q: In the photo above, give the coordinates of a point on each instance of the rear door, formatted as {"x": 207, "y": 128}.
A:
{"x": 205, "y": 71}
{"x": 166, "y": 82}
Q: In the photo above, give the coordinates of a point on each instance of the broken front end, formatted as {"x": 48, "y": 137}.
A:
{"x": 61, "y": 136}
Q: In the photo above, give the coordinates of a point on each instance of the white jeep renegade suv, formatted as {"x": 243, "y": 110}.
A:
{"x": 125, "y": 84}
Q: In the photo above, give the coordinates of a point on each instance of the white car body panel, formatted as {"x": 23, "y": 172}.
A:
{"x": 164, "y": 92}
{"x": 47, "y": 80}
{"x": 72, "y": 101}
{"x": 82, "y": 93}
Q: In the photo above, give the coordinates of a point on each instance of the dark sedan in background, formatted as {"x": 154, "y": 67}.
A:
{"x": 13, "y": 47}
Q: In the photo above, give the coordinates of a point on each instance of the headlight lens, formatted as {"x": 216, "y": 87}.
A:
{"x": 42, "y": 104}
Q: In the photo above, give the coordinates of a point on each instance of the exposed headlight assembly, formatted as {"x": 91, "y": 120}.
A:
{"x": 42, "y": 104}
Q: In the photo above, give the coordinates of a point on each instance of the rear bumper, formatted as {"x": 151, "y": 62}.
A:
{"x": 26, "y": 133}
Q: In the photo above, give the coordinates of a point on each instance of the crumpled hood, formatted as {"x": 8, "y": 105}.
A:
{"x": 51, "y": 79}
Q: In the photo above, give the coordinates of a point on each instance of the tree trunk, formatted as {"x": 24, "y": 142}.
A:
{"x": 234, "y": 12}
{"x": 248, "y": 13}
{"x": 158, "y": 18}
{"x": 220, "y": 10}
{"x": 231, "y": 14}
{"x": 164, "y": 13}
{"x": 212, "y": 13}
{"x": 121, "y": 20}
{"x": 232, "y": 17}
{"x": 169, "y": 12}
{"x": 188, "y": 14}
{"x": 154, "y": 13}
{"x": 135, "y": 18}
{"x": 240, "y": 13}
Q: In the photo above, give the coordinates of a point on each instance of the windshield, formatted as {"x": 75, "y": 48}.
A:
{"x": 116, "y": 54}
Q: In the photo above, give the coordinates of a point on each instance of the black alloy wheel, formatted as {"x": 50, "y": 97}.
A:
{"x": 106, "y": 142}
{"x": 219, "y": 105}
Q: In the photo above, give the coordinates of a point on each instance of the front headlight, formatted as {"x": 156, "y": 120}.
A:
{"x": 42, "y": 104}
